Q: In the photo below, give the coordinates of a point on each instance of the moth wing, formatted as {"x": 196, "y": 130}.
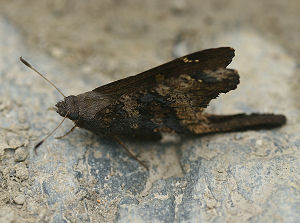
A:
{"x": 192, "y": 64}
{"x": 171, "y": 97}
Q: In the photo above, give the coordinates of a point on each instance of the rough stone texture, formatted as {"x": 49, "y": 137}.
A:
{"x": 20, "y": 154}
{"x": 236, "y": 177}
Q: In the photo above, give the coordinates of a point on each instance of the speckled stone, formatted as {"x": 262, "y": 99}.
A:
{"x": 19, "y": 199}
{"x": 20, "y": 154}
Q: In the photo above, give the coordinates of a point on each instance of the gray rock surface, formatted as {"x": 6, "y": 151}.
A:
{"x": 235, "y": 177}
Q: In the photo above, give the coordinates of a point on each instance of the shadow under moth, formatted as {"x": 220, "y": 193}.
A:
{"x": 170, "y": 98}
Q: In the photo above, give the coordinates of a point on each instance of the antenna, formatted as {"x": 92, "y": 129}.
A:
{"x": 32, "y": 68}
{"x": 44, "y": 139}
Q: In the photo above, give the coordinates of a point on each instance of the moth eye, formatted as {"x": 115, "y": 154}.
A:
{"x": 73, "y": 116}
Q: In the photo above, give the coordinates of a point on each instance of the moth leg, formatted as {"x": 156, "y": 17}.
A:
{"x": 129, "y": 152}
{"x": 67, "y": 133}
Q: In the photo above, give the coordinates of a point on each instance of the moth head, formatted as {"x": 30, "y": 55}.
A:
{"x": 68, "y": 107}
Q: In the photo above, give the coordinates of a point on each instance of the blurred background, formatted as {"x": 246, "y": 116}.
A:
{"x": 235, "y": 177}
{"x": 120, "y": 35}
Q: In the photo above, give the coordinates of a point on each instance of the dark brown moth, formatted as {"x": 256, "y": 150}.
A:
{"x": 170, "y": 98}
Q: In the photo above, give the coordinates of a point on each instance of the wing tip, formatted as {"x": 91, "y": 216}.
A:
{"x": 229, "y": 51}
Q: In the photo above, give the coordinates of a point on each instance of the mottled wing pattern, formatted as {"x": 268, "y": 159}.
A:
{"x": 170, "y": 97}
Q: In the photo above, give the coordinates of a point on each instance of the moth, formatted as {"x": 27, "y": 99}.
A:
{"x": 170, "y": 98}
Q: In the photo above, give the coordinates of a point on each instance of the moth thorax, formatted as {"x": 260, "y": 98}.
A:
{"x": 68, "y": 107}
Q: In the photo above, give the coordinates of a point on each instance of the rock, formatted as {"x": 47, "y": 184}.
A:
{"x": 19, "y": 199}
{"x": 20, "y": 154}
{"x": 8, "y": 215}
{"x": 234, "y": 177}
{"x": 21, "y": 171}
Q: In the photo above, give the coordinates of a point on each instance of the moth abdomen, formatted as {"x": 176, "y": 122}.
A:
{"x": 237, "y": 122}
